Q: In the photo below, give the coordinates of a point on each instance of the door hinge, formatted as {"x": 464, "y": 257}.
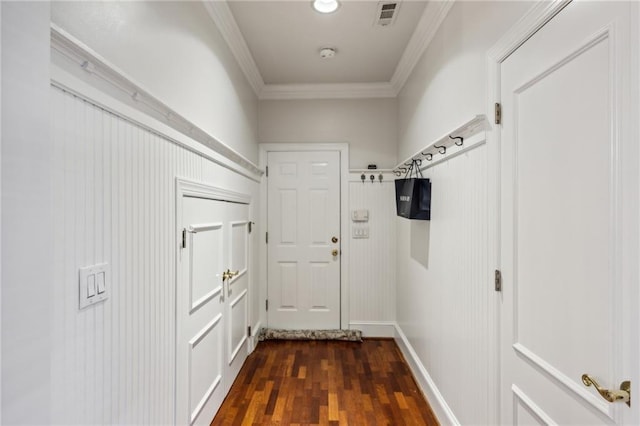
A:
{"x": 266, "y": 237}
{"x": 250, "y": 227}
{"x": 498, "y": 113}
{"x": 249, "y": 331}
{"x": 266, "y": 304}
{"x": 266, "y": 171}
{"x": 184, "y": 238}
{"x": 497, "y": 280}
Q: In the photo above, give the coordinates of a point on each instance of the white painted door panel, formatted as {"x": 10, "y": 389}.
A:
{"x": 200, "y": 314}
{"x": 303, "y": 217}
{"x": 211, "y": 313}
{"x": 238, "y": 287}
{"x": 563, "y": 240}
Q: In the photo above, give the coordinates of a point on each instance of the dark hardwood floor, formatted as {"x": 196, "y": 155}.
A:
{"x": 325, "y": 382}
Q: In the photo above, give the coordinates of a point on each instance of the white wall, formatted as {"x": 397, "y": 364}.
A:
{"x": 368, "y": 125}
{"x": 174, "y": 51}
{"x": 114, "y": 182}
{"x": 84, "y": 186}
{"x": 448, "y": 85}
{"x": 446, "y": 304}
{"x": 372, "y": 268}
{"x": 0, "y": 214}
{"x": 27, "y": 201}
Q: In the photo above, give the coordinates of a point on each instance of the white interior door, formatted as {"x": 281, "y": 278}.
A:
{"x": 303, "y": 251}
{"x": 200, "y": 313}
{"x": 237, "y": 288}
{"x": 569, "y": 220}
{"x": 211, "y": 311}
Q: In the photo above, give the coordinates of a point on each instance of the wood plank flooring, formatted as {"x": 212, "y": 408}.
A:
{"x": 325, "y": 383}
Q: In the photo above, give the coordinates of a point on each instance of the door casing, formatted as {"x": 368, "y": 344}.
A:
{"x": 343, "y": 148}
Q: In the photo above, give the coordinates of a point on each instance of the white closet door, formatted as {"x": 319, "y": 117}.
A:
{"x": 201, "y": 313}
{"x": 212, "y": 313}
{"x": 569, "y": 220}
{"x": 237, "y": 287}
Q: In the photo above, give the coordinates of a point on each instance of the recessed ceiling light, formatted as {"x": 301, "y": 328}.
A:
{"x": 326, "y": 6}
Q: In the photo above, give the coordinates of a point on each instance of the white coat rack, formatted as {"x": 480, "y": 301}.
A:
{"x": 462, "y": 139}
{"x": 370, "y": 175}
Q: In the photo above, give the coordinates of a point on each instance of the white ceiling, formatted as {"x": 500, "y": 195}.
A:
{"x": 285, "y": 37}
{"x": 277, "y": 45}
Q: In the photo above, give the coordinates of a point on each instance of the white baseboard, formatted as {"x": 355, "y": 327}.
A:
{"x": 374, "y": 328}
{"x": 437, "y": 402}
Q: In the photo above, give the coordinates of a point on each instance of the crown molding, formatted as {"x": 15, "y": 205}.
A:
{"x": 433, "y": 15}
{"x": 222, "y": 17}
{"x": 327, "y": 91}
{"x": 121, "y": 86}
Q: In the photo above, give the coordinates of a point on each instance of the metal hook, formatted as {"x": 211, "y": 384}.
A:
{"x": 397, "y": 173}
{"x": 372, "y": 178}
{"x": 441, "y": 149}
{"x": 362, "y": 177}
{"x": 380, "y": 177}
{"x": 457, "y": 137}
{"x": 418, "y": 162}
{"x": 403, "y": 169}
{"x": 428, "y": 155}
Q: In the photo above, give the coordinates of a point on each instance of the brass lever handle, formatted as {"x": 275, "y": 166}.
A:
{"x": 228, "y": 274}
{"x": 623, "y": 394}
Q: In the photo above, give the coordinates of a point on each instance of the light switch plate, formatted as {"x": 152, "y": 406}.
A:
{"x": 89, "y": 279}
{"x": 358, "y": 232}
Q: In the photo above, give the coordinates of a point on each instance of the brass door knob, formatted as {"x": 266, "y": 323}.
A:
{"x": 334, "y": 240}
{"x": 334, "y": 252}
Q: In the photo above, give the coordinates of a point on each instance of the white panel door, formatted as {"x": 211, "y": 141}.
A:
{"x": 211, "y": 312}
{"x": 569, "y": 220}
{"x": 304, "y": 240}
{"x": 200, "y": 311}
{"x": 237, "y": 288}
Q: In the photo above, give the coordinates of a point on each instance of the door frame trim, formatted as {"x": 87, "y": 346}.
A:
{"x": 343, "y": 149}
{"x": 192, "y": 188}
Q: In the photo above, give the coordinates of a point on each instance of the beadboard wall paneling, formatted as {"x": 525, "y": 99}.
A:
{"x": 445, "y": 300}
{"x": 373, "y": 260}
{"x": 113, "y": 363}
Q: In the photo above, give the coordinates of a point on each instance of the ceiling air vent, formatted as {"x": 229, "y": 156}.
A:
{"x": 386, "y": 13}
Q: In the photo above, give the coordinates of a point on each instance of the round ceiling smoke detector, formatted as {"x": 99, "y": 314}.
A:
{"x": 327, "y": 52}
{"x": 326, "y": 6}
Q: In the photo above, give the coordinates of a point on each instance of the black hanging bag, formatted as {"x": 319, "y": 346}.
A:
{"x": 413, "y": 194}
